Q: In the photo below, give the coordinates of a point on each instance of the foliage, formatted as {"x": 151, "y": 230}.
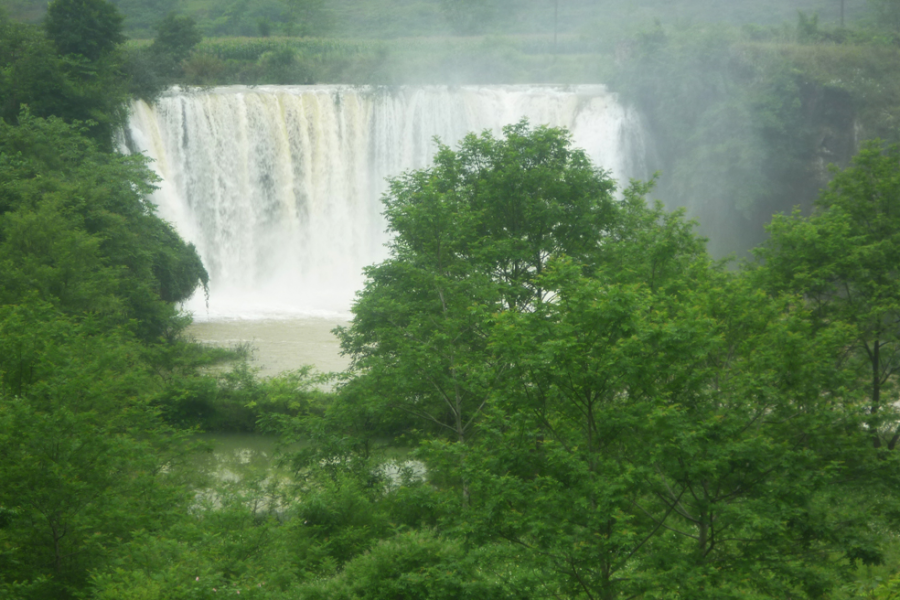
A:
{"x": 865, "y": 75}
{"x": 70, "y": 87}
{"x": 176, "y": 37}
{"x": 752, "y": 116}
{"x": 77, "y": 230}
{"x": 89, "y": 28}
{"x": 887, "y": 14}
{"x": 731, "y": 133}
{"x": 230, "y": 548}
{"x": 463, "y": 247}
{"x": 621, "y": 416}
{"x": 142, "y": 15}
{"x": 90, "y": 340}
{"x": 407, "y": 567}
{"x": 417, "y": 18}
{"x": 237, "y": 399}
{"x": 437, "y": 61}
{"x": 30, "y": 71}
{"x": 307, "y": 18}
{"x": 841, "y": 259}
{"x": 90, "y": 276}
{"x": 622, "y": 475}
{"x": 284, "y": 67}
{"x": 336, "y": 522}
{"x": 624, "y": 415}
{"x": 83, "y": 457}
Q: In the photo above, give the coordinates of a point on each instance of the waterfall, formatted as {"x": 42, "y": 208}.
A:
{"x": 279, "y": 186}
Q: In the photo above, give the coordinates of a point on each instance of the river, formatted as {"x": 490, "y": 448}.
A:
{"x": 278, "y": 344}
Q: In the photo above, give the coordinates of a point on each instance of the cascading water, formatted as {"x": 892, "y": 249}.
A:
{"x": 279, "y": 187}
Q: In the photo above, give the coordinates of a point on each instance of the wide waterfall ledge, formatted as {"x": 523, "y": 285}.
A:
{"x": 279, "y": 187}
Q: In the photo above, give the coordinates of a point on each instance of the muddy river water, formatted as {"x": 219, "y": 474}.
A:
{"x": 279, "y": 345}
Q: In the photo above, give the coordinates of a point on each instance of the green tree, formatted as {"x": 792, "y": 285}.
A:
{"x": 842, "y": 260}
{"x": 887, "y": 13}
{"x": 30, "y": 72}
{"x": 284, "y": 66}
{"x": 72, "y": 88}
{"x": 176, "y": 37}
{"x": 307, "y": 18}
{"x": 472, "y": 235}
{"x": 734, "y": 133}
{"x": 622, "y": 416}
{"x": 142, "y": 15}
{"x": 410, "y": 566}
{"x": 695, "y": 442}
{"x": 78, "y": 230}
{"x": 89, "y": 28}
{"x": 83, "y": 454}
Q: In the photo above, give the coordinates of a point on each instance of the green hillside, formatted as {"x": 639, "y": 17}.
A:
{"x": 411, "y": 18}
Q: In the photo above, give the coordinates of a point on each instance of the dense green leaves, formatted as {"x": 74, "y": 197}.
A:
{"x": 77, "y": 230}
{"x": 644, "y": 444}
{"x": 50, "y": 81}
{"x": 842, "y": 259}
{"x": 733, "y": 124}
{"x": 625, "y": 416}
{"x": 83, "y": 455}
{"x": 408, "y": 567}
{"x": 89, "y": 278}
{"x": 472, "y": 236}
{"x": 176, "y": 37}
{"x": 89, "y": 28}
{"x": 598, "y": 410}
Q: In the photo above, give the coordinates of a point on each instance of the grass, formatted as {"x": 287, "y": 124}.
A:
{"x": 405, "y": 18}
{"x": 418, "y": 60}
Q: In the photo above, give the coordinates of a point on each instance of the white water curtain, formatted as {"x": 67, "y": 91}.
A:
{"x": 279, "y": 186}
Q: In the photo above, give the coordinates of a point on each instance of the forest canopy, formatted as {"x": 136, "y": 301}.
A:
{"x": 554, "y": 390}
{"x": 618, "y": 412}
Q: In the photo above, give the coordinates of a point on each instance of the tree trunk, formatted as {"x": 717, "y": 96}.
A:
{"x": 876, "y": 392}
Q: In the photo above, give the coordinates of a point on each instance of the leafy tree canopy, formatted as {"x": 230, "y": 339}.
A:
{"x": 307, "y": 17}
{"x": 73, "y": 87}
{"x": 843, "y": 259}
{"x": 472, "y": 234}
{"x": 78, "y": 231}
{"x": 90, "y": 28}
{"x": 176, "y": 36}
{"x": 83, "y": 453}
{"x": 616, "y": 411}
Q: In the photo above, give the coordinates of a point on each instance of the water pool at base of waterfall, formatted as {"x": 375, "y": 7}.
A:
{"x": 278, "y": 344}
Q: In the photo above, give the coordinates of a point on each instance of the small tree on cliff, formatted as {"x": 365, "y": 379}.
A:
{"x": 306, "y": 17}
{"x": 90, "y": 28}
{"x": 176, "y": 37}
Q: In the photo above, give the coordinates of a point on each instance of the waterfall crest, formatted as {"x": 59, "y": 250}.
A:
{"x": 279, "y": 186}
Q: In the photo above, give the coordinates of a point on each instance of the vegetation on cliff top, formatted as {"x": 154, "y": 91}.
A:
{"x": 601, "y": 410}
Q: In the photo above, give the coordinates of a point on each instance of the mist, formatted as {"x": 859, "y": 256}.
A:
{"x": 745, "y": 103}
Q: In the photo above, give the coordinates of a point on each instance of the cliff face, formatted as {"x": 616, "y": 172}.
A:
{"x": 834, "y": 133}
{"x": 827, "y": 132}
{"x": 740, "y": 133}
{"x": 743, "y": 126}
